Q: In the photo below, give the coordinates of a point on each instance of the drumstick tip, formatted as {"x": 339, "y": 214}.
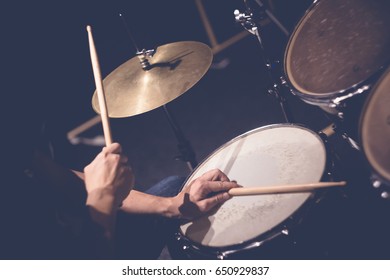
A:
{"x": 89, "y": 28}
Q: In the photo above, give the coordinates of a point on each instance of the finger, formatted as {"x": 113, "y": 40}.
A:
{"x": 219, "y": 186}
{"x": 215, "y": 200}
{"x": 114, "y": 148}
{"x": 215, "y": 175}
{"x": 122, "y": 159}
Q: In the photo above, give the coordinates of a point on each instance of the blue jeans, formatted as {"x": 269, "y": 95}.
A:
{"x": 167, "y": 187}
{"x": 144, "y": 236}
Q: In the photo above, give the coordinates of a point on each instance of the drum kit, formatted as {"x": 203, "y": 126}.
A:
{"x": 336, "y": 58}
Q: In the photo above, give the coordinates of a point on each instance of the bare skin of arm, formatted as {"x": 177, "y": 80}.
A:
{"x": 105, "y": 183}
{"x": 108, "y": 181}
{"x": 105, "y": 187}
{"x": 200, "y": 196}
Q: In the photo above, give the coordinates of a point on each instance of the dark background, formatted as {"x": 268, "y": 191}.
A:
{"x": 49, "y": 58}
{"x": 48, "y": 72}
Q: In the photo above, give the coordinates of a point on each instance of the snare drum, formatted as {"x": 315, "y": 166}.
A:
{"x": 375, "y": 133}
{"x": 271, "y": 155}
{"x": 337, "y": 50}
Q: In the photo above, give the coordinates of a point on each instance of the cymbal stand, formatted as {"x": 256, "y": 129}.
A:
{"x": 186, "y": 152}
{"x": 271, "y": 16}
{"x": 247, "y": 21}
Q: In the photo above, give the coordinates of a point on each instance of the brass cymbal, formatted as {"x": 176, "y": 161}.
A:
{"x": 174, "y": 68}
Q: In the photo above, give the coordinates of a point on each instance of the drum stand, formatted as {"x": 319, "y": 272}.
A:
{"x": 186, "y": 152}
{"x": 247, "y": 21}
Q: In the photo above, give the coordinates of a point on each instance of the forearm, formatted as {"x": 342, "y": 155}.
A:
{"x": 67, "y": 185}
{"x": 96, "y": 210}
{"x": 141, "y": 203}
{"x": 102, "y": 211}
{"x": 97, "y": 234}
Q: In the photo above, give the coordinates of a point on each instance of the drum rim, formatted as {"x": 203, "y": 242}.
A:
{"x": 289, "y": 222}
{"x": 319, "y": 98}
{"x": 378, "y": 170}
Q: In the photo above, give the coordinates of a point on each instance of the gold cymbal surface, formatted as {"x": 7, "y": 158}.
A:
{"x": 174, "y": 68}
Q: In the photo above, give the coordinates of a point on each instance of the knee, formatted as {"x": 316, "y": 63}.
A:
{"x": 169, "y": 186}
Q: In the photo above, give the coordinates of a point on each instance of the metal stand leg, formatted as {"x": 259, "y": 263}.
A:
{"x": 186, "y": 152}
{"x": 246, "y": 20}
{"x": 273, "y": 18}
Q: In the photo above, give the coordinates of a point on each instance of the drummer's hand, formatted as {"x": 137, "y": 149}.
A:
{"x": 108, "y": 179}
{"x": 203, "y": 194}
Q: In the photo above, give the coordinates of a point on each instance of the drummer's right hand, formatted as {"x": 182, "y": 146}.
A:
{"x": 203, "y": 194}
{"x": 108, "y": 179}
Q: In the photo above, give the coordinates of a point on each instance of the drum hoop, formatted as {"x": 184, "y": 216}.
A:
{"x": 226, "y": 251}
{"x": 288, "y": 223}
{"x": 319, "y": 98}
{"x": 245, "y": 134}
{"x": 329, "y": 99}
{"x": 378, "y": 170}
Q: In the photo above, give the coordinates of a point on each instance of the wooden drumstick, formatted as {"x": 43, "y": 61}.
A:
{"x": 284, "y": 188}
{"x": 99, "y": 88}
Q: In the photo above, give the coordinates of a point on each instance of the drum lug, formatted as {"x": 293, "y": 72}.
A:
{"x": 273, "y": 90}
{"x": 337, "y": 107}
{"x": 182, "y": 240}
{"x": 338, "y": 102}
{"x": 283, "y": 81}
{"x": 185, "y": 247}
{"x": 221, "y": 256}
{"x": 333, "y": 104}
{"x": 285, "y": 231}
{"x": 385, "y": 195}
{"x": 376, "y": 184}
{"x": 177, "y": 236}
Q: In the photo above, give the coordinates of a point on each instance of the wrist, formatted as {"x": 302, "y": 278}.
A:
{"x": 102, "y": 208}
{"x": 102, "y": 200}
{"x": 171, "y": 208}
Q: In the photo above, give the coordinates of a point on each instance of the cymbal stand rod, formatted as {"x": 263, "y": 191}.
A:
{"x": 128, "y": 31}
{"x": 143, "y": 54}
{"x": 273, "y": 18}
{"x": 186, "y": 152}
{"x": 275, "y": 88}
{"x": 247, "y": 21}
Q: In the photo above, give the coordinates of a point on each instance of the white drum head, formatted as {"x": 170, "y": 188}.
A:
{"x": 271, "y": 155}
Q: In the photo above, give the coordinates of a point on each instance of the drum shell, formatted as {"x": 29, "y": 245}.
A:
{"x": 374, "y": 134}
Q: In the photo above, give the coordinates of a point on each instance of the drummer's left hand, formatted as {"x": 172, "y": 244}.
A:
{"x": 203, "y": 194}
